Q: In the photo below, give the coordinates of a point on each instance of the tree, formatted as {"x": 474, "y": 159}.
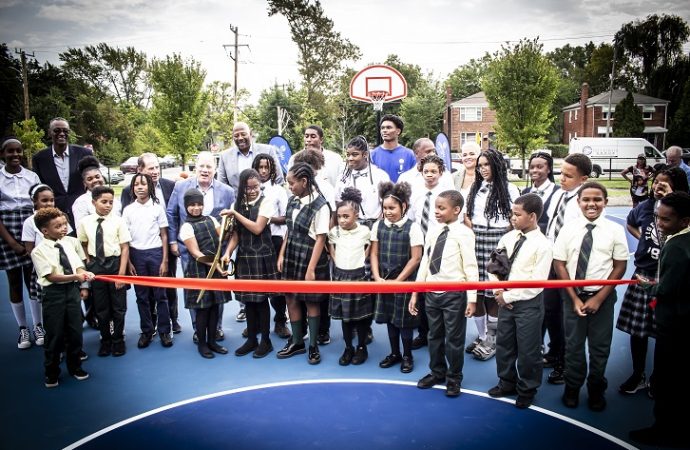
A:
{"x": 467, "y": 79}
{"x": 111, "y": 152}
{"x": 11, "y": 88}
{"x": 264, "y": 118}
{"x": 179, "y": 103}
{"x": 520, "y": 86}
{"x": 423, "y": 111}
{"x": 30, "y": 135}
{"x": 219, "y": 116}
{"x": 679, "y": 131}
{"x": 629, "y": 121}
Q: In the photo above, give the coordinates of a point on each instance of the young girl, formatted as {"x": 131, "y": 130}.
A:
{"x": 302, "y": 256}
{"x": 488, "y": 215}
{"x": 348, "y": 244}
{"x": 396, "y": 250}
{"x": 200, "y": 236}
{"x": 89, "y": 167}
{"x": 255, "y": 258}
{"x": 639, "y": 189}
{"x": 15, "y": 208}
{"x": 148, "y": 256}
{"x": 265, "y": 165}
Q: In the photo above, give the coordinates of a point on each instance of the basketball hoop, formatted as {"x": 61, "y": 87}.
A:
{"x": 378, "y": 98}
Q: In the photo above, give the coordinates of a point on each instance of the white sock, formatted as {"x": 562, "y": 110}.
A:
{"x": 36, "y": 311}
{"x": 481, "y": 326}
{"x": 19, "y": 313}
{"x": 491, "y": 323}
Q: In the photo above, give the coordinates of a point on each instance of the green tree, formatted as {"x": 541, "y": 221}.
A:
{"x": 11, "y": 88}
{"x": 629, "y": 121}
{"x": 179, "y": 103}
{"x": 263, "y": 119}
{"x": 219, "y": 116}
{"x": 30, "y": 135}
{"x": 423, "y": 111}
{"x": 520, "y": 86}
{"x": 111, "y": 152}
{"x": 679, "y": 131}
{"x": 467, "y": 79}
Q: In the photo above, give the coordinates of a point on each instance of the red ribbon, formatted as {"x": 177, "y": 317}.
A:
{"x": 353, "y": 287}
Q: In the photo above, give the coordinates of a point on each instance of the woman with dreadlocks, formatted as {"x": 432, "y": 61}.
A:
{"x": 303, "y": 256}
{"x": 488, "y": 215}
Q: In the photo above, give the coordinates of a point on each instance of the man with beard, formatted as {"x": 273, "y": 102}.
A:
{"x": 390, "y": 156}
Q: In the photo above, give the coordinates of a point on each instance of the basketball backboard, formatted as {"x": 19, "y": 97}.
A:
{"x": 378, "y": 84}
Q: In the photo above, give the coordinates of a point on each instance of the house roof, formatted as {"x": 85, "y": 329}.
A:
{"x": 616, "y": 97}
{"x": 478, "y": 99}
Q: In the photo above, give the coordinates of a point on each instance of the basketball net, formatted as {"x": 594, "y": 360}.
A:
{"x": 378, "y": 98}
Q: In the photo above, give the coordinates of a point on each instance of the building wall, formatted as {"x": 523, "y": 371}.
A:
{"x": 486, "y": 126}
{"x": 582, "y": 126}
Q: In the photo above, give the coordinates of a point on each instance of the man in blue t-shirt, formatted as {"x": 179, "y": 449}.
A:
{"x": 390, "y": 156}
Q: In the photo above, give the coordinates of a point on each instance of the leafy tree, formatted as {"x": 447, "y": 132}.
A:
{"x": 179, "y": 103}
{"x": 423, "y": 111}
{"x": 629, "y": 121}
{"x": 467, "y": 79}
{"x": 30, "y": 135}
{"x": 679, "y": 131}
{"x": 219, "y": 116}
{"x": 111, "y": 152}
{"x": 11, "y": 88}
{"x": 263, "y": 120}
{"x": 520, "y": 86}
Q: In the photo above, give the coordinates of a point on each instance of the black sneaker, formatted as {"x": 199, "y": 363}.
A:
{"x": 265, "y": 347}
{"x": 51, "y": 382}
{"x": 144, "y": 340}
{"x": 80, "y": 374}
{"x": 166, "y": 340}
{"x": 314, "y": 355}
{"x": 523, "y": 401}
{"x": 105, "y": 349}
{"x": 83, "y": 356}
{"x": 633, "y": 384}
{"x": 291, "y": 350}
{"x": 470, "y": 348}
{"x": 498, "y": 392}
{"x": 556, "y": 376}
{"x": 571, "y": 397}
{"x": 220, "y": 335}
{"x": 550, "y": 361}
{"x": 361, "y": 355}
{"x": 323, "y": 338}
{"x": 119, "y": 348}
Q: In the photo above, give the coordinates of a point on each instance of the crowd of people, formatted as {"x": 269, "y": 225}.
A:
{"x": 384, "y": 214}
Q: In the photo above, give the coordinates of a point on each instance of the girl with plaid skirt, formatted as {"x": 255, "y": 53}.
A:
{"x": 488, "y": 215}
{"x": 255, "y": 258}
{"x": 200, "y": 236}
{"x": 396, "y": 250}
{"x": 348, "y": 243}
{"x": 636, "y": 317}
{"x": 303, "y": 256}
{"x": 15, "y": 208}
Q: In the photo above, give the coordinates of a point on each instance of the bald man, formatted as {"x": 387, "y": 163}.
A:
{"x": 674, "y": 159}
{"x": 234, "y": 160}
{"x": 421, "y": 148}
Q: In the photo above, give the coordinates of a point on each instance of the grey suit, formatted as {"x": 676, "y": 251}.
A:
{"x": 228, "y": 171}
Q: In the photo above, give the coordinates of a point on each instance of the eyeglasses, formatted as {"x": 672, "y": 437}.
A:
{"x": 60, "y": 130}
{"x": 253, "y": 188}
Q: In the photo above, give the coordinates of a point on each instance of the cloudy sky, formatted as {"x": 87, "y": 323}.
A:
{"x": 438, "y": 35}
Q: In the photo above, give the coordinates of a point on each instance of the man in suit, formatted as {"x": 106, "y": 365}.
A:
{"x": 235, "y": 159}
{"x": 148, "y": 164}
{"x": 56, "y": 166}
{"x": 217, "y": 196}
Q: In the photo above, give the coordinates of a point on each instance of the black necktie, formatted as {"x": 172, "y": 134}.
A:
{"x": 437, "y": 254}
{"x": 64, "y": 261}
{"x": 518, "y": 244}
{"x": 100, "y": 248}
{"x": 585, "y": 251}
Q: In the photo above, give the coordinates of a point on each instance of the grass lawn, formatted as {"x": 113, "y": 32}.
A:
{"x": 615, "y": 187}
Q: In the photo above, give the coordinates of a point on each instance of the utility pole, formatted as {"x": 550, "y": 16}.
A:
{"x": 236, "y": 58}
{"x": 25, "y": 81}
{"x": 613, "y": 73}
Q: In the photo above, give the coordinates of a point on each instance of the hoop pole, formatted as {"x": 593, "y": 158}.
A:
{"x": 379, "y": 139}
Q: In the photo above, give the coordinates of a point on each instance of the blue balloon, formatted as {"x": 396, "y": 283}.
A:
{"x": 443, "y": 149}
{"x": 284, "y": 151}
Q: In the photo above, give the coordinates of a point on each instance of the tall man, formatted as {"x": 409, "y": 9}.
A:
{"x": 56, "y": 166}
{"x": 390, "y": 156}
{"x": 674, "y": 159}
{"x": 148, "y": 164}
{"x": 333, "y": 162}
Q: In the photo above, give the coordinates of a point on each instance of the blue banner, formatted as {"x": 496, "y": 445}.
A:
{"x": 284, "y": 151}
{"x": 443, "y": 149}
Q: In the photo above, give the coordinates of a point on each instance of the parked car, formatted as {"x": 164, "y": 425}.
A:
{"x": 614, "y": 154}
{"x": 111, "y": 176}
{"x": 167, "y": 161}
{"x": 130, "y": 166}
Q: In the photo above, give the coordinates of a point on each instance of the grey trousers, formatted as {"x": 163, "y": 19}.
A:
{"x": 446, "y": 338}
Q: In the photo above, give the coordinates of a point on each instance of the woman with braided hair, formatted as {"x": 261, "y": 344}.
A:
{"x": 488, "y": 215}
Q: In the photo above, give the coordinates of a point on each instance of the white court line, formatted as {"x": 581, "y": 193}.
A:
{"x": 333, "y": 381}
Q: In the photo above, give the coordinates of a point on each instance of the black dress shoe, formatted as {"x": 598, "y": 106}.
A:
{"x": 390, "y": 361}
{"x": 176, "y": 327}
{"x": 571, "y": 397}
{"x": 217, "y": 348}
{"x": 346, "y": 358}
{"x": 429, "y": 381}
{"x": 596, "y": 401}
{"x": 452, "y": 388}
{"x": 498, "y": 392}
{"x": 144, "y": 340}
{"x": 556, "y": 376}
{"x": 249, "y": 346}
{"x": 291, "y": 350}
{"x": 166, "y": 340}
{"x": 407, "y": 364}
{"x": 524, "y": 401}
{"x": 361, "y": 355}
{"x": 206, "y": 352}
{"x": 119, "y": 348}
{"x": 419, "y": 342}
{"x": 105, "y": 349}
{"x": 264, "y": 348}
{"x": 314, "y": 355}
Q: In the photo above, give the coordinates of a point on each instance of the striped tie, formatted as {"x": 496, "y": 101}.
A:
{"x": 560, "y": 216}
{"x": 425, "y": 213}
{"x": 437, "y": 254}
{"x": 585, "y": 251}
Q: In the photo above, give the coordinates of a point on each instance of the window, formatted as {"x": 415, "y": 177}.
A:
{"x": 648, "y": 112}
{"x": 470, "y": 114}
{"x": 605, "y": 112}
{"x": 576, "y": 114}
{"x": 570, "y": 116}
{"x": 470, "y": 137}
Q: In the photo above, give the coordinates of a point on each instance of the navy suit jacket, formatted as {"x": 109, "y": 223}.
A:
{"x": 44, "y": 165}
{"x": 167, "y": 186}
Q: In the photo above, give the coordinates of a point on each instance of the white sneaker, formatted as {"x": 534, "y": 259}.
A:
{"x": 24, "y": 340}
{"x": 484, "y": 351}
{"x": 241, "y": 316}
{"x": 39, "y": 334}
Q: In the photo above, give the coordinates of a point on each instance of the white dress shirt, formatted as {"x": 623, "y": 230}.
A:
{"x": 478, "y": 217}
{"x": 367, "y": 181}
{"x": 350, "y": 246}
{"x": 14, "y": 188}
{"x": 83, "y": 206}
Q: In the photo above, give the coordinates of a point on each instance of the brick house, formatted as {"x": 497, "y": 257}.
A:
{"x": 471, "y": 119}
{"x": 587, "y": 118}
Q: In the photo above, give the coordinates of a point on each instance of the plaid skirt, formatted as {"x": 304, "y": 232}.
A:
{"x": 393, "y": 309}
{"x": 255, "y": 266}
{"x": 13, "y": 220}
{"x": 34, "y": 287}
{"x": 295, "y": 263}
{"x": 486, "y": 241}
{"x": 347, "y": 307}
{"x": 636, "y": 317}
{"x": 210, "y": 298}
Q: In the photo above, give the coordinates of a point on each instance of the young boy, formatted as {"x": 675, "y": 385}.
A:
{"x": 589, "y": 248}
{"x": 105, "y": 239}
{"x": 58, "y": 260}
{"x": 521, "y": 311}
{"x": 448, "y": 256}
{"x": 564, "y": 209}
{"x": 672, "y": 318}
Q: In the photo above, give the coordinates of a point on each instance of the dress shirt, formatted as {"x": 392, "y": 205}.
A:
{"x": 416, "y": 180}
{"x": 159, "y": 195}
{"x": 478, "y": 217}
{"x": 417, "y": 205}
{"x": 367, "y": 181}
{"x": 350, "y": 246}
{"x": 115, "y": 232}
{"x": 62, "y": 166}
{"x": 31, "y": 233}
{"x": 244, "y": 161}
{"x": 572, "y": 210}
{"x": 279, "y": 196}
{"x": 144, "y": 222}
{"x": 208, "y": 198}
{"x": 14, "y": 188}
{"x": 46, "y": 258}
{"x": 83, "y": 206}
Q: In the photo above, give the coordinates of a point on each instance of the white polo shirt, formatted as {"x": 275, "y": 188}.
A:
{"x": 144, "y": 222}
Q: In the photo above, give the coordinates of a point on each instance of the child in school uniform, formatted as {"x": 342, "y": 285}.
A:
{"x": 396, "y": 250}
{"x": 448, "y": 256}
{"x": 265, "y": 165}
{"x": 255, "y": 260}
{"x": 521, "y": 311}
{"x": 543, "y": 184}
{"x": 590, "y": 248}
{"x": 348, "y": 243}
{"x": 105, "y": 239}
{"x": 303, "y": 256}
{"x": 91, "y": 175}
{"x": 147, "y": 223}
{"x": 58, "y": 261}
{"x": 200, "y": 235}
